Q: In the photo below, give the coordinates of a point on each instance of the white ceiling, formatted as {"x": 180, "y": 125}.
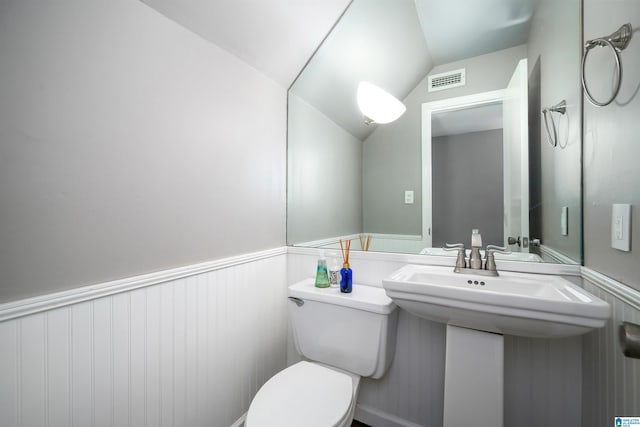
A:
{"x": 277, "y": 37}
{"x": 458, "y": 29}
{"x": 391, "y": 43}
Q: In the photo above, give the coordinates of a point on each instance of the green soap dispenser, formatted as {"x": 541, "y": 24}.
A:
{"x": 322, "y": 276}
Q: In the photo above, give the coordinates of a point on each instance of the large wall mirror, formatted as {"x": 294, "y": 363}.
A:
{"x": 491, "y": 136}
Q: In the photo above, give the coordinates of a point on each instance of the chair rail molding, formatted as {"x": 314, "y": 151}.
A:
{"x": 27, "y": 306}
{"x": 612, "y": 286}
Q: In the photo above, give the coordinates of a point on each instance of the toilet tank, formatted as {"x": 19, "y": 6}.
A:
{"x": 355, "y": 332}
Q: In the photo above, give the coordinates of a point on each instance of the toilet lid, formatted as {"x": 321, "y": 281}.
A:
{"x": 305, "y": 394}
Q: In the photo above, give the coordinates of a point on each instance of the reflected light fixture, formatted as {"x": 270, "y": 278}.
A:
{"x": 377, "y": 105}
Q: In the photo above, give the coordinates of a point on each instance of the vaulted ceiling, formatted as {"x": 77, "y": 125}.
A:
{"x": 391, "y": 43}
{"x": 277, "y": 37}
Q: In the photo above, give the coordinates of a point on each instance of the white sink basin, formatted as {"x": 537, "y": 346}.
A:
{"x": 530, "y": 305}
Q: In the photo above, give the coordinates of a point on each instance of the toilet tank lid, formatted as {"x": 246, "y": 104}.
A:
{"x": 363, "y": 297}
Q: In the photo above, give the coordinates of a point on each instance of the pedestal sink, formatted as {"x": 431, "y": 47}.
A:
{"x": 478, "y": 311}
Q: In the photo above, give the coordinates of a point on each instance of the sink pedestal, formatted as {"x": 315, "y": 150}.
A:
{"x": 474, "y": 378}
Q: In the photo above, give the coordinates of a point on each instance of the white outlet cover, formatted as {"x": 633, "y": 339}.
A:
{"x": 408, "y": 197}
{"x": 621, "y": 227}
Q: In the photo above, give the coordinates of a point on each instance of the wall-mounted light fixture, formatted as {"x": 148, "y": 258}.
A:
{"x": 377, "y": 105}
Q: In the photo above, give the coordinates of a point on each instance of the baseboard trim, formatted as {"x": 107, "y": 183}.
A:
{"x": 377, "y": 418}
{"x": 618, "y": 289}
{"x": 25, "y": 307}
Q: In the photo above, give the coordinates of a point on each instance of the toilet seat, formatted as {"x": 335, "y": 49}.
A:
{"x": 303, "y": 394}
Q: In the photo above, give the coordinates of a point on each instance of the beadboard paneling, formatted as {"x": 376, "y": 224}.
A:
{"x": 413, "y": 387}
{"x": 611, "y": 380}
{"x": 194, "y": 350}
{"x": 543, "y": 382}
{"x": 191, "y": 351}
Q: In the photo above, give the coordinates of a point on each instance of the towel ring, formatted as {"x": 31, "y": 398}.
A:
{"x": 617, "y": 42}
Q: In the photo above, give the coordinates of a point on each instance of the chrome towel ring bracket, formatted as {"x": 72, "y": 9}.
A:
{"x": 617, "y": 42}
{"x": 561, "y": 108}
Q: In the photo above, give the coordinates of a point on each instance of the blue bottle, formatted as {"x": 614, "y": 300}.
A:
{"x": 346, "y": 281}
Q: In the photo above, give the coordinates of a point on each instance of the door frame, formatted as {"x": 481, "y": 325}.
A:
{"x": 428, "y": 109}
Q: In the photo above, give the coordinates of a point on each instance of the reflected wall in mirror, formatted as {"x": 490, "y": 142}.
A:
{"x": 346, "y": 178}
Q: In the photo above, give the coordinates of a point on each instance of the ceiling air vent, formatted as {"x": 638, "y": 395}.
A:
{"x": 447, "y": 80}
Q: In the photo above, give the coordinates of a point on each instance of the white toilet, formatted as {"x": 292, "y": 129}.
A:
{"x": 344, "y": 337}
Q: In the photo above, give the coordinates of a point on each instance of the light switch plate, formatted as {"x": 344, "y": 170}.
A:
{"x": 408, "y": 197}
{"x": 621, "y": 227}
{"x": 564, "y": 221}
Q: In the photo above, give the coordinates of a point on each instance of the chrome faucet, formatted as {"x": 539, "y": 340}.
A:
{"x": 476, "y": 264}
{"x": 475, "y": 259}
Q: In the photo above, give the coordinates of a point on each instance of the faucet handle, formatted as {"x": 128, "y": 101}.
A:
{"x": 453, "y": 246}
{"x": 461, "y": 262}
{"x": 490, "y": 261}
{"x": 499, "y": 249}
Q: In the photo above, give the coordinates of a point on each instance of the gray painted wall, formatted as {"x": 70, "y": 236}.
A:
{"x": 554, "y": 44}
{"x": 611, "y": 143}
{"x": 611, "y": 175}
{"x": 324, "y": 197}
{"x": 128, "y": 145}
{"x": 391, "y": 155}
{"x": 469, "y": 192}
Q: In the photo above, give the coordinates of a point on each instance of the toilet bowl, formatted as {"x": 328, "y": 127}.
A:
{"x": 344, "y": 337}
{"x": 307, "y": 393}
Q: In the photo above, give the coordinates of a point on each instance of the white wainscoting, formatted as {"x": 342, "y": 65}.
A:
{"x": 542, "y": 382}
{"x": 412, "y": 391}
{"x": 189, "y": 348}
{"x": 542, "y": 377}
{"x": 611, "y": 380}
